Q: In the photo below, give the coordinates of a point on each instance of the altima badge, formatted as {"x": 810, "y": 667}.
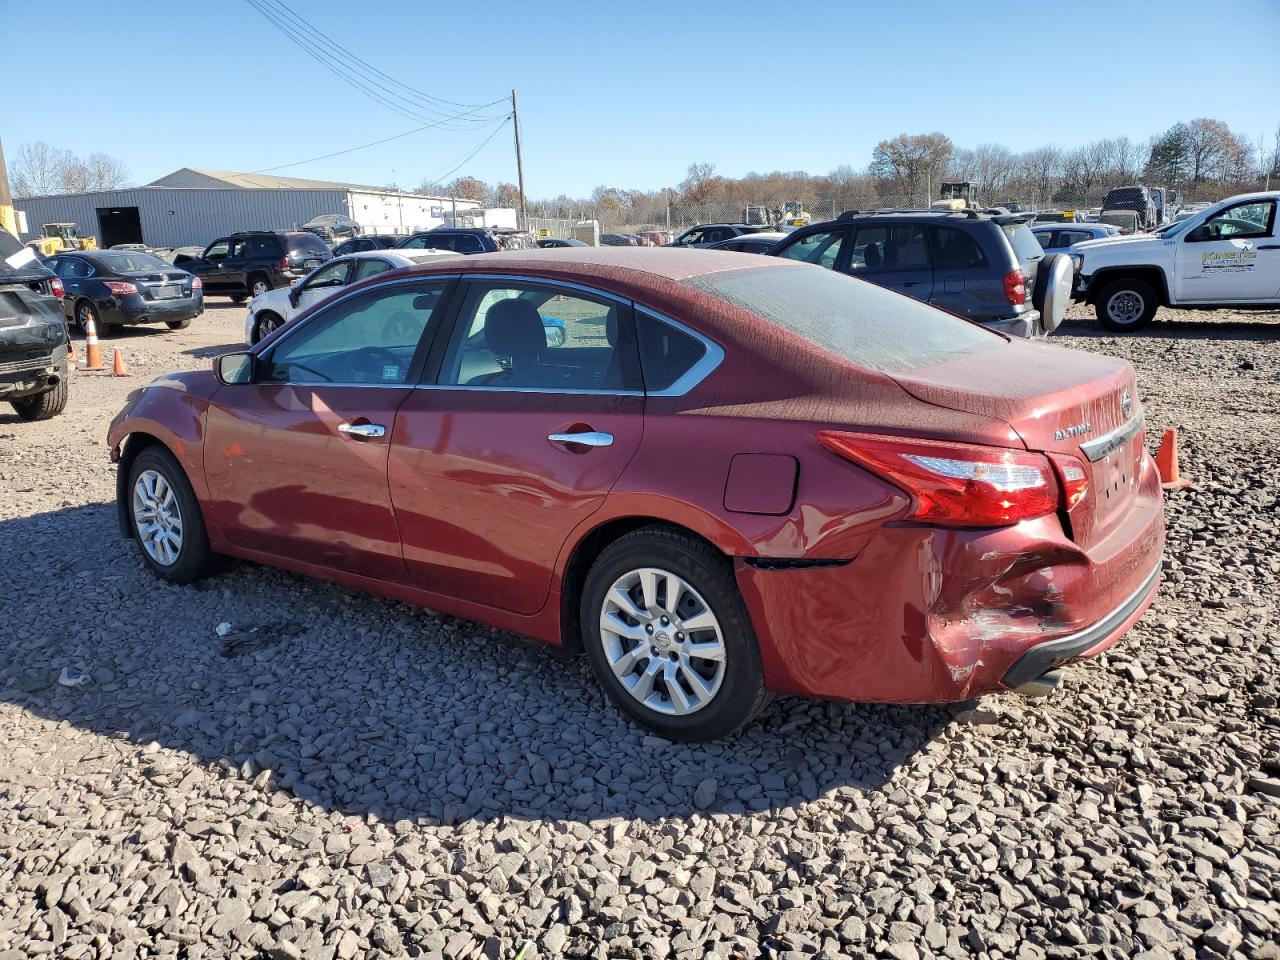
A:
{"x": 1075, "y": 430}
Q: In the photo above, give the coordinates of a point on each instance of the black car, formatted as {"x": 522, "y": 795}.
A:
{"x": 705, "y": 234}
{"x": 762, "y": 242}
{"x": 249, "y": 264}
{"x": 118, "y": 287}
{"x": 468, "y": 240}
{"x": 546, "y": 242}
{"x": 33, "y": 334}
{"x": 367, "y": 241}
{"x": 986, "y": 267}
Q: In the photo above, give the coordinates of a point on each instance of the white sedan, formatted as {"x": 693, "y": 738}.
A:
{"x": 273, "y": 309}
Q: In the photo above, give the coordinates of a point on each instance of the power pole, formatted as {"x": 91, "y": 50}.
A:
{"x": 8, "y": 220}
{"x": 515, "y": 115}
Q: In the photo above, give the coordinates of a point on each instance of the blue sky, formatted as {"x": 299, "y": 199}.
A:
{"x": 627, "y": 94}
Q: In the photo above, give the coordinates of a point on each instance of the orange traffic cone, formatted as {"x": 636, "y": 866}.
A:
{"x": 118, "y": 368}
{"x": 1167, "y": 462}
{"x": 92, "y": 355}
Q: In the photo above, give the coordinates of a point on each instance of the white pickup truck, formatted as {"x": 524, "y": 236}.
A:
{"x": 1225, "y": 256}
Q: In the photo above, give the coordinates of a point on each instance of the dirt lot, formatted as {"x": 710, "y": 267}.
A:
{"x": 360, "y": 778}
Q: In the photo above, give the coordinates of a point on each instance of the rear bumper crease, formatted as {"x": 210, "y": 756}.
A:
{"x": 1045, "y": 656}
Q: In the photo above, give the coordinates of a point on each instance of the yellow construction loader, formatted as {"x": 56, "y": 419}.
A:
{"x": 61, "y": 238}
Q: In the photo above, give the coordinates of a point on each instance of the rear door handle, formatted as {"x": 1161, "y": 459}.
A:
{"x": 588, "y": 438}
{"x": 366, "y": 431}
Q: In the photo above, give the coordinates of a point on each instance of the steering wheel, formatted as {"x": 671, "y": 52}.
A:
{"x": 374, "y": 354}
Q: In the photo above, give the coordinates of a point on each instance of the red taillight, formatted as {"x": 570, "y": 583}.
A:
{"x": 284, "y": 263}
{"x": 955, "y": 484}
{"x": 1073, "y": 477}
{"x": 197, "y": 283}
{"x": 55, "y": 287}
{"x": 1015, "y": 287}
{"x": 120, "y": 288}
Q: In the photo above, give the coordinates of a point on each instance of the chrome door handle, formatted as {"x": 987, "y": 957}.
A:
{"x": 587, "y": 439}
{"x": 365, "y": 430}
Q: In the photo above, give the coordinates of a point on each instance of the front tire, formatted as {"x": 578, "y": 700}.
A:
{"x": 267, "y": 324}
{"x": 178, "y": 324}
{"x": 43, "y": 406}
{"x": 165, "y": 516}
{"x": 1126, "y": 306}
{"x": 669, "y": 636}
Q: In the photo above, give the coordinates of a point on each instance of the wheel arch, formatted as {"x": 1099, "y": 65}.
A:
{"x": 1150, "y": 274}
{"x": 584, "y": 553}
{"x": 130, "y": 447}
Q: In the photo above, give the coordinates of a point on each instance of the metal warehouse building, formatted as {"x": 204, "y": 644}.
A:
{"x": 191, "y": 207}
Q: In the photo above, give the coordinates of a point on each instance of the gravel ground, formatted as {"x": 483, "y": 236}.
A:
{"x": 344, "y": 776}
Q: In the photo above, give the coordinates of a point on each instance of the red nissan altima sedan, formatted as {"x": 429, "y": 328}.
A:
{"x": 735, "y": 477}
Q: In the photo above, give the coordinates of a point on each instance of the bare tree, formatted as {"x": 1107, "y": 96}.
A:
{"x": 908, "y": 162}
{"x": 1040, "y": 170}
{"x": 37, "y": 170}
{"x": 106, "y": 172}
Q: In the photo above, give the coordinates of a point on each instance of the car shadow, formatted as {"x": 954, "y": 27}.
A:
{"x": 367, "y": 706}
{"x": 1264, "y": 329}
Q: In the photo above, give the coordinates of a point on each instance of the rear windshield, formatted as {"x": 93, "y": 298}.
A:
{"x": 855, "y": 320}
{"x": 306, "y": 242}
{"x": 19, "y": 262}
{"x": 130, "y": 262}
{"x": 1025, "y": 245}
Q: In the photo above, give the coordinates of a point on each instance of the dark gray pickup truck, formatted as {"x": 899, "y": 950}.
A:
{"x": 33, "y": 334}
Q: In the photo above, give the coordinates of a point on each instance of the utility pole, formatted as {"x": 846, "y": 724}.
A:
{"x": 8, "y": 219}
{"x": 515, "y": 115}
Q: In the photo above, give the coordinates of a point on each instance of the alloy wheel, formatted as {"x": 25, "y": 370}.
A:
{"x": 267, "y": 326}
{"x": 260, "y": 287}
{"x": 1125, "y": 307}
{"x": 663, "y": 641}
{"x": 157, "y": 517}
{"x": 83, "y": 314}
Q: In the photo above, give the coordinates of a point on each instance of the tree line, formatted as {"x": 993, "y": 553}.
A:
{"x": 38, "y": 169}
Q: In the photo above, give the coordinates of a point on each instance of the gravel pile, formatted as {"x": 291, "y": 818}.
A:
{"x": 335, "y": 775}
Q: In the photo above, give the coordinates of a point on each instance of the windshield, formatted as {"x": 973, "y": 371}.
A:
{"x": 855, "y": 320}
{"x": 130, "y": 262}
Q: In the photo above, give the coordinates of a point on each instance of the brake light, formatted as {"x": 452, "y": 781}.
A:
{"x": 955, "y": 484}
{"x": 56, "y": 288}
{"x": 120, "y": 288}
{"x": 1072, "y": 476}
{"x": 197, "y": 283}
{"x": 1015, "y": 287}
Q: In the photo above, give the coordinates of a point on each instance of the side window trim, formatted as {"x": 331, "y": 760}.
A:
{"x": 453, "y": 321}
{"x": 710, "y": 360}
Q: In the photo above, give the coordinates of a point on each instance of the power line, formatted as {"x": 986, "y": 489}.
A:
{"x": 468, "y": 157}
{"x": 353, "y": 79}
{"x": 372, "y": 143}
{"x": 426, "y": 98}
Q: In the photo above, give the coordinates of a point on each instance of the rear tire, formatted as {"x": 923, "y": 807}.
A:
{"x": 238, "y": 298}
{"x": 1126, "y": 305}
{"x": 157, "y": 494}
{"x": 700, "y": 640}
{"x": 46, "y": 405}
{"x": 258, "y": 285}
{"x": 178, "y": 324}
{"x": 86, "y": 311}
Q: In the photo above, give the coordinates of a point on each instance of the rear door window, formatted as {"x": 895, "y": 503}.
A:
{"x": 262, "y": 248}
{"x": 883, "y": 249}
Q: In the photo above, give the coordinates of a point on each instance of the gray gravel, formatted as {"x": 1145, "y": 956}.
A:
{"x": 342, "y": 776}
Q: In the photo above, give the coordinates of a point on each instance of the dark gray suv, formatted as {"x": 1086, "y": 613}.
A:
{"x": 983, "y": 266}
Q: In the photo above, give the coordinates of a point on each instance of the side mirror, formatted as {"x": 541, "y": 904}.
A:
{"x": 1200, "y": 234}
{"x": 235, "y": 368}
